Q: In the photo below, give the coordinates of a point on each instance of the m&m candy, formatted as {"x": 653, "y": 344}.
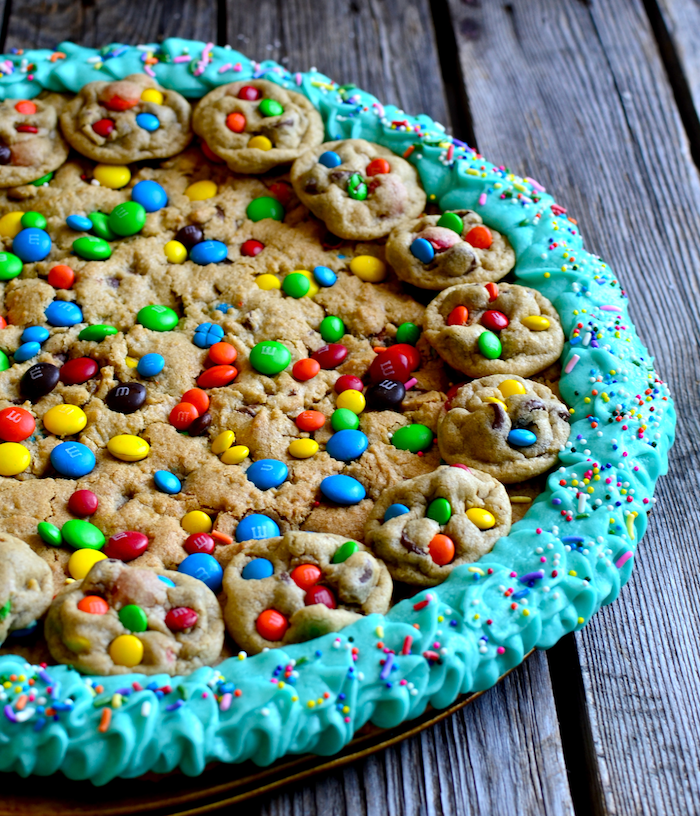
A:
{"x": 306, "y": 575}
{"x": 310, "y": 420}
{"x": 83, "y": 503}
{"x": 236, "y": 122}
{"x": 126, "y": 650}
{"x": 204, "y": 567}
{"x": 414, "y": 438}
{"x": 324, "y": 276}
{"x": 49, "y": 534}
{"x": 16, "y": 424}
{"x": 346, "y": 382}
{"x": 157, "y": 318}
{"x": 330, "y": 356}
{"x": 10, "y": 266}
{"x": 196, "y": 521}
{"x": 422, "y": 250}
{"x": 303, "y": 448}
{"x": 330, "y": 159}
{"x": 386, "y": 395}
{"x": 128, "y": 447}
{"x": 180, "y": 619}
{"x": 521, "y": 438}
{"x": 133, "y": 618}
{"x": 127, "y": 218}
{"x": 72, "y": 459}
{"x": 147, "y": 121}
{"x": 65, "y": 420}
{"x": 150, "y": 365}
{"x": 490, "y": 345}
{"x": 235, "y": 455}
{"x": 344, "y": 552}
{"x": 494, "y": 320}
{"x": 126, "y": 398}
{"x": 206, "y": 334}
{"x": 265, "y": 207}
{"x": 14, "y": 458}
{"x": 183, "y": 415}
{"x": 92, "y": 248}
{"x": 63, "y": 313}
{"x": 479, "y": 237}
{"x": 343, "y": 489}
{"x": 395, "y": 510}
{"x": 31, "y": 245}
{"x": 343, "y": 419}
{"x": 198, "y": 398}
{"x": 251, "y": 248}
{"x": 208, "y": 252}
{"x": 270, "y": 357}
{"x": 441, "y": 549}
{"x": 82, "y": 561}
{"x": 439, "y": 510}
{"x": 199, "y": 543}
{"x": 331, "y": 329}
{"x": 217, "y": 376}
{"x": 35, "y": 334}
{"x": 150, "y": 195}
{"x": 167, "y": 482}
{"x": 39, "y": 380}
{"x": 368, "y": 268}
{"x": 483, "y": 519}
{"x": 81, "y": 534}
{"x": 320, "y": 595}
{"x": 258, "y": 569}
{"x": 256, "y": 527}
{"x": 61, "y": 276}
{"x": 305, "y": 369}
{"x": 201, "y": 190}
{"x": 271, "y": 625}
{"x": 347, "y": 445}
{"x": 26, "y": 351}
{"x": 93, "y": 605}
{"x": 267, "y": 473}
{"x": 126, "y": 546}
{"x": 352, "y": 400}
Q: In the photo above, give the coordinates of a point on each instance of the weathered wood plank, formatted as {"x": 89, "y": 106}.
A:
{"x": 499, "y": 754}
{"x": 387, "y": 48}
{"x": 44, "y": 23}
{"x": 576, "y": 95}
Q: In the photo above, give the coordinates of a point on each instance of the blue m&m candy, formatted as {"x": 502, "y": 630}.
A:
{"x": 167, "y": 482}
{"x": 347, "y": 445}
{"x": 26, "y": 351}
{"x": 150, "y": 195}
{"x": 342, "y": 489}
{"x": 35, "y": 334}
{"x": 423, "y": 250}
{"x": 256, "y": 527}
{"x": 166, "y": 580}
{"x": 150, "y": 365}
{"x": 267, "y": 473}
{"x": 147, "y": 121}
{"x": 330, "y": 159}
{"x": 206, "y": 334}
{"x": 521, "y": 438}
{"x": 257, "y": 569}
{"x": 79, "y": 223}
{"x": 394, "y": 510}
{"x": 31, "y": 244}
{"x": 206, "y": 252}
{"x": 73, "y": 459}
{"x": 63, "y": 313}
{"x": 324, "y": 276}
{"x": 204, "y": 567}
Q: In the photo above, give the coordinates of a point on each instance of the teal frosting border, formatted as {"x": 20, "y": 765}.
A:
{"x": 570, "y": 555}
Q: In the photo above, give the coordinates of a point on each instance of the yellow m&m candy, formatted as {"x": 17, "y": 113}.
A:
{"x": 303, "y": 448}
{"x": 223, "y": 442}
{"x": 496, "y": 401}
{"x": 235, "y": 455}
{"x": 152, "y": 95}
{"x": 11, "y": 224}
{"x": 535, "y": 323}
{"x": 481, "y": 518}
{"x": 114, "y": 176}
{"x": 368, "y": 268}
{"x": 65, "y": 420}
{"x": 175, "y": 252}
{"x": 268, "y": 281}
{"x": 260, "y": 143}
{"x": 14, "y": 458}
{"x": 196, "y": 521}
{"x": 313, "y": 286}
{"x": 352, "y": 400}
{"x": 82, "y": 561}
{"x": 126, "y": 650}
{"x": 201, "y": 190}
{"x": 511, "y": 387}
{"x": 128, "y": 448}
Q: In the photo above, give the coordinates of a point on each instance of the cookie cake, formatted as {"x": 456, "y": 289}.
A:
{"x": 310, "y": 415}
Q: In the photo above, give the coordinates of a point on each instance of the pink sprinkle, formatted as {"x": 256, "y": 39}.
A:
{"x": 610, "y": 308}
{"x": 225, "y": 703}
{"x": 238, "y": 67}
{"x": 482, "y": 199}
{"x": 410, "y": 383}
{"x": 183, "y": 58}
{"x": 461, "y": 466}
{"x": 623, "y": 559}
{"x": 535, "y": 184}
{"x": 149, "y": 70}
{"x": 297, "y": 79}
{"x": 450, "y": 152}
{"x": 539, "y": 531}
{"x": 500, "y": 650}
{"x": 224, "y": 68}
{"x": 571, "y": 364}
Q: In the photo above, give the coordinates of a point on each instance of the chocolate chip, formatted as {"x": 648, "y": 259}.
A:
{"x": 411, "y": 546}
{"x": 126, "y": 398}
{"x": 38, "y": 380}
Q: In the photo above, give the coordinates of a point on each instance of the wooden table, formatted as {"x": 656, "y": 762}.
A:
{"x": 599, "y": 100}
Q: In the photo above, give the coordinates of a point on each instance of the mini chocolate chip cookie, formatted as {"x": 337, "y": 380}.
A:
{"x": 257, "y": 125}
{"x": 425, "y": 527}
{"x": 129, "y": 120}
{"x": 31, "y": 144}
{"x": 438, "y": 251}
{"x": 504, "y": 425}
{"x": 300, "y": 586}
{"x": 360, "y": 190}
{"x": 494, "y": 329}
{"x": 120, "y": 619}
{"x": 26, "y": 585}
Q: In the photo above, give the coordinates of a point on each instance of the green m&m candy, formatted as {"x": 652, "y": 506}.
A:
{"x": 133, "y": 618}
{"x": 49, "y": 534}
{"x": 332, "y": 329}
{"x": 451, "y": 221}
{"x": 357, "y": 189}
{"x": 43, "y": 180}
{"x": 4, "y": 361}
{"x": 100, "y": 226}
{"x": 127, "y": 218}
{"x": 10, "y": 266}
{"x": 296, "y": 285}
{"x": 408, "y": 333}
{"x": 439, "y": 510}
{"x": 98, "y": 332}
{"x": 92, "y": 248}
{"x": 490, "y": 345}
{"x": 413, "y": 438}
{"x": 265, "y": 207}
{"x": 5, "y": 611}
{"x": 345, "y": 551}
{"x": 157, "y": 318}
{"x": 270, "y": 357}
{"x": 33, "y": 219}
{"x": 343, "y": 419}
{"x": 270, "y": 107}
{"x": 82, "y": 535}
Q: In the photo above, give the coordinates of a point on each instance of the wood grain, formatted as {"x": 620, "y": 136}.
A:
{"x": 576, "y": 95}
{"x": 45, "y": 23}
{"x": 682, "y": 22}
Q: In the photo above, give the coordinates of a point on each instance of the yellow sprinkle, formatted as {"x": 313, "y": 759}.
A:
{"x": 526, "y": 613}
{"x": 630, "y": 526}
{"x": 242, "y": 655}
{"x": 573, "y": 573}
{"x": 346, "y": 709}
{"x": 581, "y": 620}
{"x": 520, "y": 499}
{"x": 605, "y": 397}
{"x": 311, "y": 704}
{"x": 379, "y": 631}
{"x": 477, "y": 570}
{"x": 281, "y": 684}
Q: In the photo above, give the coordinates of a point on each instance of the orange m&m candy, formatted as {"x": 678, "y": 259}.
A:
{"x": 217, "y": 376}
{"x": 306, "y": 575}
{"x": 235, "y": 122}
{"x": 25, "y": 107}
{"x": 271, "y": 624}
{"x": 305, "y": 369}
{"x": 183, "y": 415}
{"x": 310, "y": 420}
{"x": 61, "y": 276}
{"x": 441, "y": 549}
{"x": 378, "y": 167}
{"x": 222, "y": 353}
{"x": 198, "y": 398}
{"x": 458, "y": 316}
{"x": 479, "y": 237}
{"x": 93, "y": 605}
{"x": 492, "y": 289}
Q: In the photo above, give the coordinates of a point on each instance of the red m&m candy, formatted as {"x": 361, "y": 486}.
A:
{"x": 16, "y": 424}
{"x": 198, "y": 398}
{"x": 320, "y": 595}
{"x": 458, "y": 316}
{"x": 103, "y": 127}
{"x": 310, "y": 420}
{"x": 183, "y": 415}
{"x": 390, "y": 365}
{"x": 331, "y": 355}
{"x": 305, "y": 369}
{"x": 120, "y": 103}
{"x": 126, "y": 546}
{"x": 217, "y": 376}
{"x": 411, "y": 353}
{"x": 93, "y": 605}
{"x": 271, "y": 624}
{"x": 78, "y": 371}
{"x": 306, "y": 575}
{"x": 199, "y": 543}
{"x": 251, "y": 248}
{"x": 236, "y": 122}
{"x": 347, "y": 382}
{"x": 83, "y": 503}
{"x": 181, "y": 618}
{"x": 494, "y": 320}
{"x": 378, "y": 167}
{"x": 3, "y": 322}
{"x": 249, "y": 93}
{"x": 209, "y": 153}
{"x": 479, "y": 237}
{"x": 61, "y": 276}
